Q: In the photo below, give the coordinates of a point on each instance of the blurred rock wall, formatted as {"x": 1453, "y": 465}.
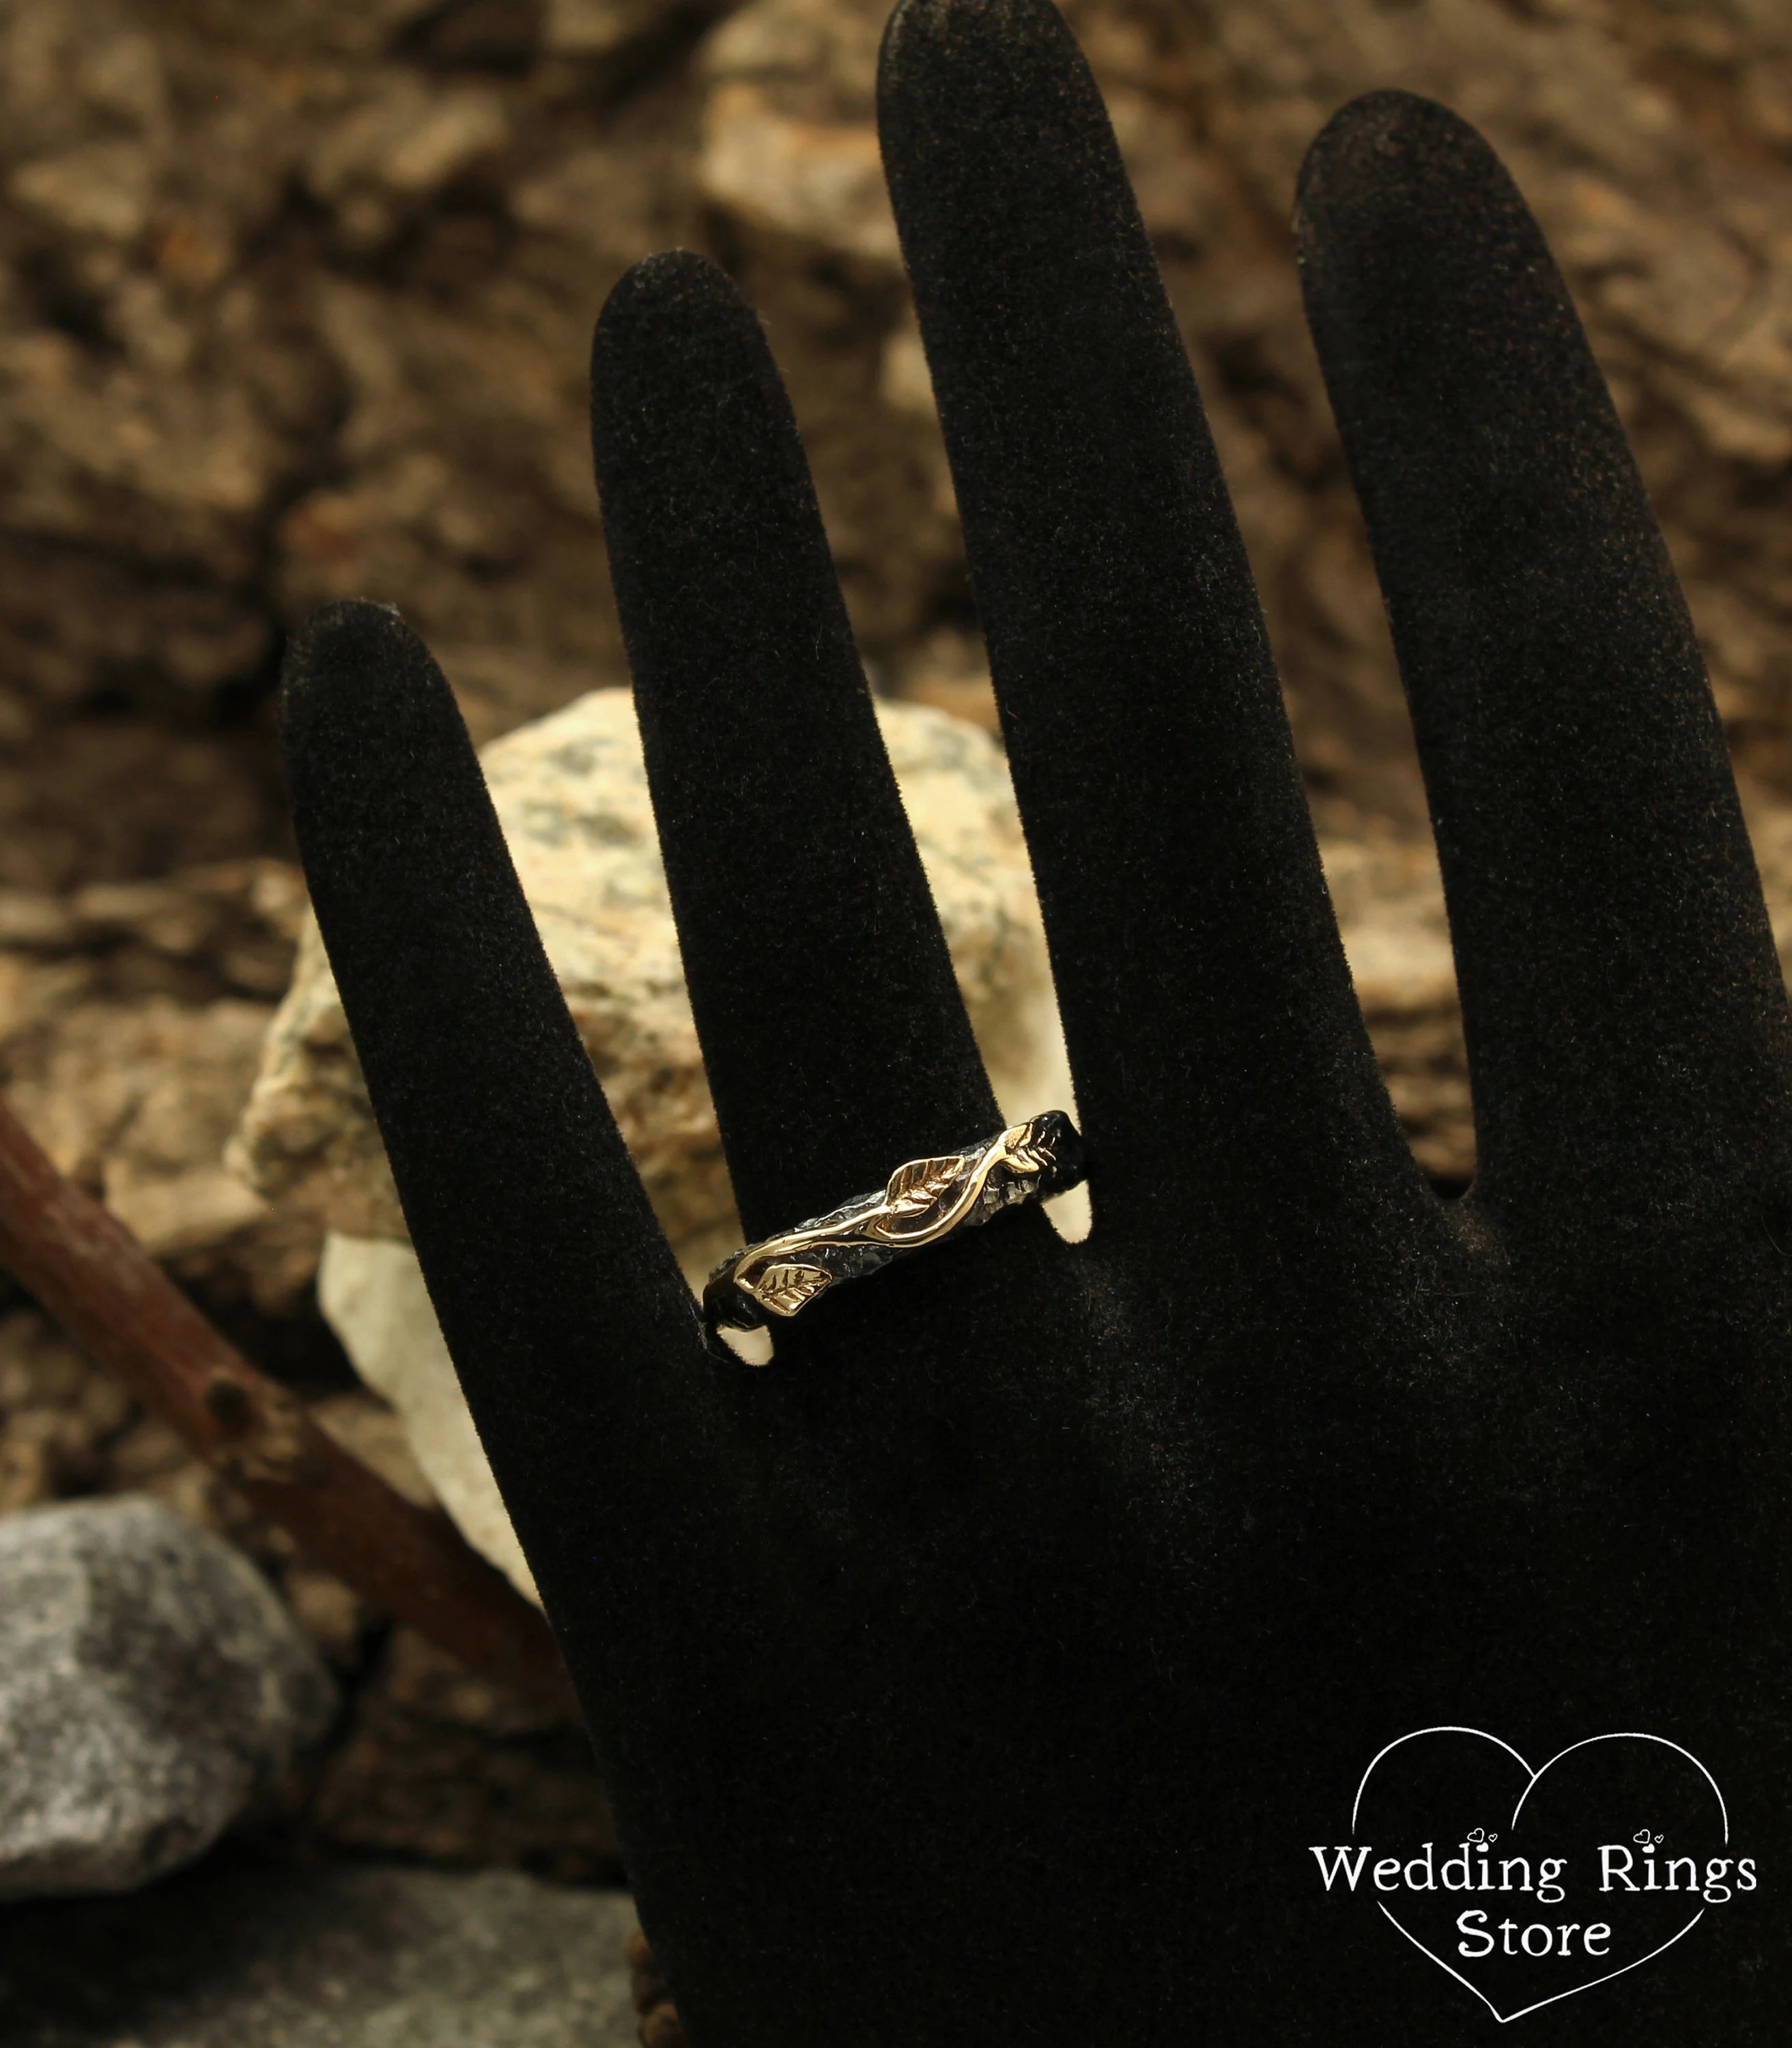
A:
{"x": 295, "y": 299}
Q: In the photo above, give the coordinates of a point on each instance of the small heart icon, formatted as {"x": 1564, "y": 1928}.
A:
{"x": 1576, "y": 1893}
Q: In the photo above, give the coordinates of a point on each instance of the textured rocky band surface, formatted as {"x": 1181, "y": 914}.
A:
{"x": 923, "y": 1202}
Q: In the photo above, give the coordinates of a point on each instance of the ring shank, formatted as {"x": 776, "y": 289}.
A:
{"x": 924, "y": 1202}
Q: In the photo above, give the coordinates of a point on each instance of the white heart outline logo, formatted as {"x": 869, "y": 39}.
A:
{"x": 1616, "y": 1735}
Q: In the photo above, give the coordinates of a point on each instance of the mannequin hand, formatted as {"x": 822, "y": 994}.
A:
{"x": 985, "y": 1668}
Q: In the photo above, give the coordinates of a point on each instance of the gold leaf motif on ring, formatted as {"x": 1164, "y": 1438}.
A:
{"x": 784, "y": 1289}
{"x": 920, "y": 1184}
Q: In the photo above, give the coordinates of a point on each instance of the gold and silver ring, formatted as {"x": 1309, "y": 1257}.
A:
{"x": 923, "y": 1202}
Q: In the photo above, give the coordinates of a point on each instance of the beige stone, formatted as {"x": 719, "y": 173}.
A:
{"x": 814, "y": 181}
{"x": 371, "y": 1292}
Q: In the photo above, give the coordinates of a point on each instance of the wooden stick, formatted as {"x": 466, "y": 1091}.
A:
{"x": 90, "y": 1273}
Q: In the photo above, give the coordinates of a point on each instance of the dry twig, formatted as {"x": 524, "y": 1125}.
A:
{"x": 660, "y": 2026}
{"x": 87, "y": 1270}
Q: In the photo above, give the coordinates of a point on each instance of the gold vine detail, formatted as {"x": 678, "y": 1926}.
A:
{"x": 922, "y": 1202}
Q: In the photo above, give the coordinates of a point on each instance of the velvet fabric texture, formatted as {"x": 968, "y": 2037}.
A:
{"x": 989, "y": 1667}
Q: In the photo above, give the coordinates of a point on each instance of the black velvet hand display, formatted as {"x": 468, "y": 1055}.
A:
{"x": 989, "y": 1667}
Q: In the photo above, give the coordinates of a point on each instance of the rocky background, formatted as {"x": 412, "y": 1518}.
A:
{"x": 295, "y": 300}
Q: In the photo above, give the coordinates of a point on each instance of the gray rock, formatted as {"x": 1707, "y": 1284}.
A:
{"x": 151, "y": 1685}
{"x": 347, "y": 1958}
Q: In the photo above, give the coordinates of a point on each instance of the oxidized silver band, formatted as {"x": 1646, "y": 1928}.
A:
{"x": 924, "y": 1203}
